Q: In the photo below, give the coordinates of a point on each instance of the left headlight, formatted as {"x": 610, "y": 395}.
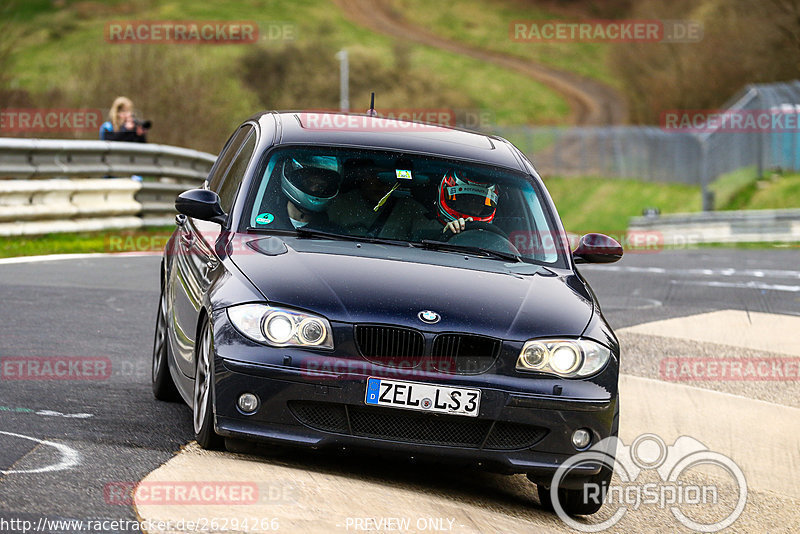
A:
{"x": 563, "y": 357}
{"x": 281, "y": 327}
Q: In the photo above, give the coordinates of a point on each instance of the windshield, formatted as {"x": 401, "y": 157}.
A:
{"x": 411, "y": 199}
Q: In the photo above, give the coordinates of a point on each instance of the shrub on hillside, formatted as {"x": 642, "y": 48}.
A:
{"x": 744, "y": 42}
{"x": 190, "y": 101}
{"x": 306, "y": 76}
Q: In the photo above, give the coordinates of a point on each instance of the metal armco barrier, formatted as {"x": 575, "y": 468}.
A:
{"x": 49, "y": 186}
{"x": 750, "y": 226}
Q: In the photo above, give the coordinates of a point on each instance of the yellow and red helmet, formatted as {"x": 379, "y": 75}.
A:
{"x": 463, "y": 198}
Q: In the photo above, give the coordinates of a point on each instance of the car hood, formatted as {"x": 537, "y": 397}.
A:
{"x": 370, "y": 283}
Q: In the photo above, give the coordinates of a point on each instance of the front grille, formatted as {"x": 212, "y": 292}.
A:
{"x": 409, "y": 427}
{"x": 386, "y": 423}
{"x": 390, "y": 346}
{"x": 464, "y": 354}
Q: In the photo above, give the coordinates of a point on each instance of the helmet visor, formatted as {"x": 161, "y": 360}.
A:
{"x": 320, "y": 183}
{"x": 471, "y": 200}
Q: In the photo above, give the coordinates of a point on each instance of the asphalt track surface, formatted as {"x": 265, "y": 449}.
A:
{"x": 112, "y": 431}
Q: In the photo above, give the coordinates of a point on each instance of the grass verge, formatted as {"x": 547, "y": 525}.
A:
{"x": 139, "y": 240}
{"x": 55, "y": 42}
{"x": 605, "y": 204}
{"x": 488, "y": 25}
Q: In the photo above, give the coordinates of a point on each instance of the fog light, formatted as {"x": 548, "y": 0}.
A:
{"x": 248, "y": 403}
{"x": 581, "y": 438}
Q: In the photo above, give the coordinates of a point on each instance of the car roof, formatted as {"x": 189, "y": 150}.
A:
{"x": 363, "y": 131}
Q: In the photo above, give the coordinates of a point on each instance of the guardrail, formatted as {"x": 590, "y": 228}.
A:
{"x": 750, "y": 226}
{"x": 49, "y": 186}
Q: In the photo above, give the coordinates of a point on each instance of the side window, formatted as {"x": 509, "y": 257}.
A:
{"x": 227, "y": 192}
{"x": 224, "y": 159}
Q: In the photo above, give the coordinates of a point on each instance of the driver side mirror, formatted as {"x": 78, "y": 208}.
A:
{"x": 597, "y": 248}
{"x": 201, "y": 204}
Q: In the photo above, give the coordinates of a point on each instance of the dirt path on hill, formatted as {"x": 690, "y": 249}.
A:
{"x": 591, "y": 102}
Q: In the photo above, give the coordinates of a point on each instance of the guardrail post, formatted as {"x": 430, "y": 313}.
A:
{"x": 705, "y": 179}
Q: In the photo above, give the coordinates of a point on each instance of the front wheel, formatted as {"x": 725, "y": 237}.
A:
{"x": 587, "y": 500}
{"x": 202, "y": 398}
{"x": 579, "y": 501}
{"x": 163, "y": 387}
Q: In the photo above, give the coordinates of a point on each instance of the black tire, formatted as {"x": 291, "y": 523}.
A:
{"x": 203, "y": 392}
{"x": 573, "y": 502}
{"x": 163, "y": 387}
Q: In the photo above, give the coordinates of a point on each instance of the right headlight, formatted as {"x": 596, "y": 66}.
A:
{"x": 281, "y": 327}
{"x": 563, "y": 357}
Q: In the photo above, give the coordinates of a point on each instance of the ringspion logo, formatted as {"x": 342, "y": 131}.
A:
{"x": 675, "y": 489}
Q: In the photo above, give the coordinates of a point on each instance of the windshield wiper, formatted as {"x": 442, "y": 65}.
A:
{"x": 452, "y": 247}
{"x": 310, "y": 232}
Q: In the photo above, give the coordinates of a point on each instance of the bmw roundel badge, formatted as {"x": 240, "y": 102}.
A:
{"x": 428, "y": 316}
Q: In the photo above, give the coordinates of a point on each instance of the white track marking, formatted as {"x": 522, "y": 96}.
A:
{"x": 69, "y": 456}
{"x": 57, "y": 257}
{"x": 752, "y": 273}
{"x": 738, "y": 285}
{"x": 629, "y": 303}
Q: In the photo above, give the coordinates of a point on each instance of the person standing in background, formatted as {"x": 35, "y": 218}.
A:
{"x": 122, "y": 124}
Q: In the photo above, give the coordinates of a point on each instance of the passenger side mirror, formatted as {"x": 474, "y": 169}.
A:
{"x": 597, "y": 248}
{"x": 201, "y": 204}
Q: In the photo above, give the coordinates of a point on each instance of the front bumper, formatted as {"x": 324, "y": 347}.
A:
{"x": 316, "y": 399}
{"x": 514, "y": 432}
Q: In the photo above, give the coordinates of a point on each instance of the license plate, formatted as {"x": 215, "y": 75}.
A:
{"x": 423, "y": 397}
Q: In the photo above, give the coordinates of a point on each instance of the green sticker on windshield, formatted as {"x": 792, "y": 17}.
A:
{"x": 403, "y": 174}
{"x": 265, "y": 218}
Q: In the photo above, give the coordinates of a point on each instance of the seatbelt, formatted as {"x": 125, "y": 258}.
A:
{"x": 378, "y": 224}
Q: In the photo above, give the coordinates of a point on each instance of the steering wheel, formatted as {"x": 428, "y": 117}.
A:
{"x": 483, "y": 234}
{"x": 472, "y": 226}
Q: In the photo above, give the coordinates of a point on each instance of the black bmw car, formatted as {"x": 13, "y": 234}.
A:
{"x": 346, "y": 280}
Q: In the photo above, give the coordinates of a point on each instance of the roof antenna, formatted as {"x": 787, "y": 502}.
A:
{"x": 371, "y": 111}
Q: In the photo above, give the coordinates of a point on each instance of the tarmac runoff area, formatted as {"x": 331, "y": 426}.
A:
{"x": 311, "y": 493}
